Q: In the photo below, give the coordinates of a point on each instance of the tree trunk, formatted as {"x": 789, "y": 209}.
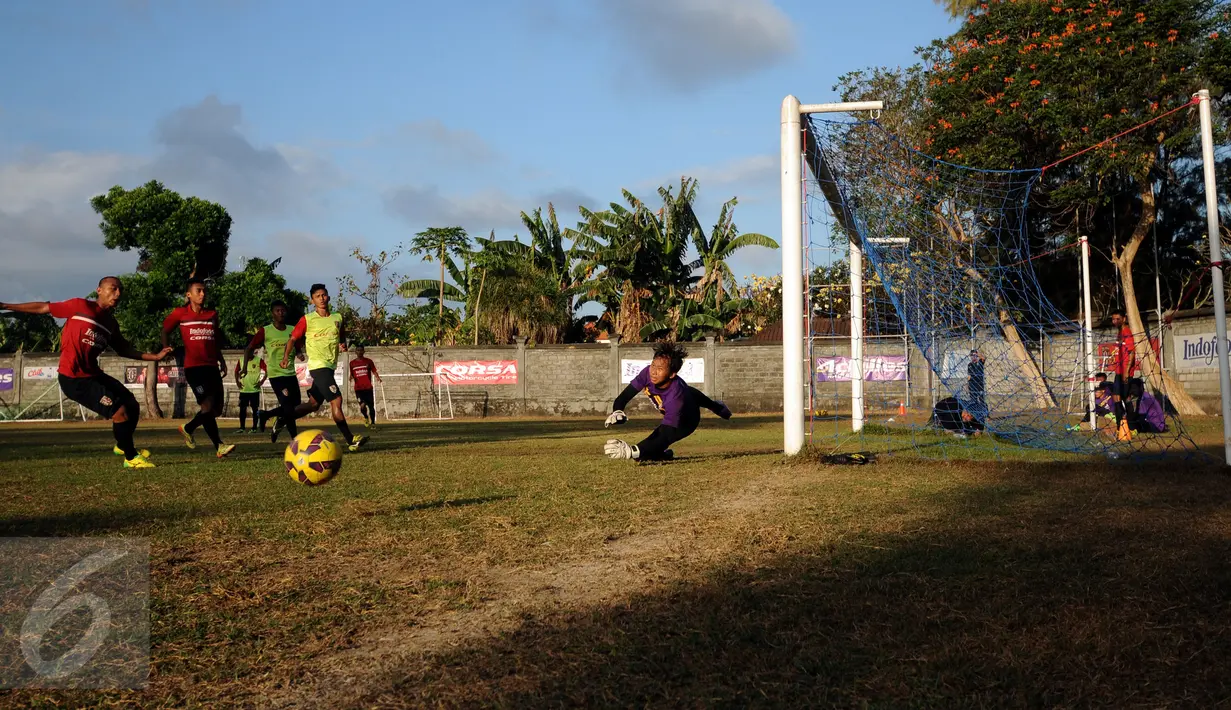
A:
{"x": 440, "y": 313}
{"x": 477, "y": 300}
{"x": 1042, "y": 395}
{"x": 1160, "y": 380}
{"x": 151, "y": 391}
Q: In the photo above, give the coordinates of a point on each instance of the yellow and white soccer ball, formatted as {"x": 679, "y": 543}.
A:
{"x": 313, "y": 457}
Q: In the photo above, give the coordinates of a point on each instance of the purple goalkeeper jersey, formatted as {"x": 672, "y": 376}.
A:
{"x": 1152, "y": 410}
{"x": 668, "y": 400}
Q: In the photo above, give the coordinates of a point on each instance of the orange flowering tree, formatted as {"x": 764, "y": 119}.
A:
{"x": 1027, "y": 83}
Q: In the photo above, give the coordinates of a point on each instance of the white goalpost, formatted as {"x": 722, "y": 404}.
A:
{"x": 416, "y": 396}
{"x": 47, "y": 407}
{"x": 794, "y": 363}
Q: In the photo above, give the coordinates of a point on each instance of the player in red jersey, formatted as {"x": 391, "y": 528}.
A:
{"x": 89, "y": 327}
{"x": 204, "y": 367}
{"x": 362, "y": 372}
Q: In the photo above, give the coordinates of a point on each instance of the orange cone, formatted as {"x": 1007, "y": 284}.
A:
{"x": 901, "y": 409}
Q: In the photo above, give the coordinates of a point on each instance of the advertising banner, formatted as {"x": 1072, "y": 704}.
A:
{"x": 693, "y": 371}
{"x": 876, "y": 368}
{"x": 476, "y": 372}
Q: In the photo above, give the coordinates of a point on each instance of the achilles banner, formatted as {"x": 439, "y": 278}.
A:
{"x": 876, "y": 368}
{"x": 476, "y": 372}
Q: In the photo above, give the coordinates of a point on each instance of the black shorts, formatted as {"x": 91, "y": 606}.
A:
{"x": 324, "y": 388}
{"x": 250, "y": 399}
{"x": 205, "y": 382}
{"x": 102, "y": 394}
{"x": 286, "y": 389}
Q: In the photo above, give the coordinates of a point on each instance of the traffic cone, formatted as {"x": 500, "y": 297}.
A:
{"x": 901, "y": 409}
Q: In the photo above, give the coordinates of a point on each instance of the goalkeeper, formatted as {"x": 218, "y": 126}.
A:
{"x": 679, "y": 404}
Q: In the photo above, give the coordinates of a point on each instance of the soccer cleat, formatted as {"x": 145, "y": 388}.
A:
{"x": 188, "y": 440}
{"x": 143, "y": 453}
{"x": 668, "y": 455}
{"x": 137, "y": 461}
{"x": 224, "y": 450}
{"x": 357, "y": 442}
{"x": 279, "y": 425}
{"x": 240, "y": 432}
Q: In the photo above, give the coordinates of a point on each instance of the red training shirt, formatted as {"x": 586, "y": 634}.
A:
{"x": 199, "y": 332}
{"x": 361, "y": 371}
{"x": 84, "y": 337}
{"x": 1125, "y": 358}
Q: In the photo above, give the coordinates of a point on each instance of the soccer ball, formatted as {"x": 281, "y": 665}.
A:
{"x": 313, "y": 457}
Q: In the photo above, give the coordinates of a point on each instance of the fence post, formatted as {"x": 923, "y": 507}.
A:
{"x": 18, "y": 370}
{"x": 613, "y": 369}
{"x": 521, "y": 372}
{"x": 708, "y": 386}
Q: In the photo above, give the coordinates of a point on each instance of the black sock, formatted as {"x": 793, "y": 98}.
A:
{"x": 211, "y": 429}
{"x": 243, "y": 417}
{"x": 123, "y": 432}
{"x": 345, "y": 429}
{"x": 196, "y": 421}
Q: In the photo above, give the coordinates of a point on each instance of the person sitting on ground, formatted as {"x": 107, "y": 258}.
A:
{"x": 1148, "y": 416}
{"x": 950, "y": 415}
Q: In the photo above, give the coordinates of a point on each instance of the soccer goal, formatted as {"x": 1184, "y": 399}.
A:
{"x": 415, "y": 396}
{"x": 939, "y": 255}
{"x": 47, "y": 406}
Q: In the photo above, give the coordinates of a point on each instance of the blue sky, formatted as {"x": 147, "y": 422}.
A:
{"x": 324, "y": 126}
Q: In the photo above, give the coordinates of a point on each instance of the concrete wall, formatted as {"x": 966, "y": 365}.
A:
{"x": 584, "y": 379}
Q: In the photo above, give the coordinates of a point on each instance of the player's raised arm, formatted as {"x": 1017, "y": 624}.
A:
{"x": 257, "y": 341}
{"x": 123, "y": 348}
{"x": 702, "y": 400}
{"x": 301, "y": 329}
{"x": 168, "y": 326}
{"x": 35, "y": 307}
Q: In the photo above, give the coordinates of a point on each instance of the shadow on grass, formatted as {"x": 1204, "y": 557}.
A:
{"x": 452, "y": 503}
{"x": 93, "y": 522}
{"x": 1042, "y": 588}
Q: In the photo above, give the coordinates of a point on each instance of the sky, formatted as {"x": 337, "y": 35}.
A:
{"x": 324, "y": 126}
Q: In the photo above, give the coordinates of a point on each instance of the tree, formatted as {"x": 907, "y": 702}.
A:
{"x": 175, "y": 238}
{"x": 243, "y": 300}
{"x": 960, "y": 8}
{"x": 438, "y": 244}
{"x": 29, "y": 333}
{"x": 1026, "y": 84}
{"x": 382, "y": 287}
{"x": 723, "y": 241}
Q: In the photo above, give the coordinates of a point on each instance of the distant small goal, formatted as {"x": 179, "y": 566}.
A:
{"x": 415, "y": 396}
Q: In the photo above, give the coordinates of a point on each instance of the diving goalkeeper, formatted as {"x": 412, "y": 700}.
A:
{"x": 679, "y": 404}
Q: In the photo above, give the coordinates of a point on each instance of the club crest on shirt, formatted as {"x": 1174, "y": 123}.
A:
{"x": 105, "y": 401}
{"x": 200, "y": 389}
{"x": 333, "y": 388}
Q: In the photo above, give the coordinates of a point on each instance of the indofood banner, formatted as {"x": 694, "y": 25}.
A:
{"x": 1196, "y": 352}
{"x": 876, "y": 368}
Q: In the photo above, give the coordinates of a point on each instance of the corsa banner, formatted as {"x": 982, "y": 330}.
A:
{"x": 476, "y": 372}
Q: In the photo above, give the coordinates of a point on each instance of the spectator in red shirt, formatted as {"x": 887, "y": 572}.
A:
{"x": 204, "y": 367}
{"x": 89, "y": 327}
{"x": 1123, "y": 364}
{"x": 362, "y": 372}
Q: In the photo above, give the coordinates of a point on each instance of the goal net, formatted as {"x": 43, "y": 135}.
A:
{"x": 414, "y": 396}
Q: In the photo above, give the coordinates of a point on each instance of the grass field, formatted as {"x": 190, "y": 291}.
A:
{"x": 507, "y": 563}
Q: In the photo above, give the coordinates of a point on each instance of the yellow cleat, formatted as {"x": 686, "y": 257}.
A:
{"x": 137, "y": 461}
{"x": 143, "y": 453}
{"x": 188, "y": 440}
{"x": 224, "y": 450}
{"x": 357, "y": 442}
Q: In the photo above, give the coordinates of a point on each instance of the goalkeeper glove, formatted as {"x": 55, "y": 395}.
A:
{"x": 616, "y": 417}
{"x": 617, "y": 449}
{"x": 723, "y": 410}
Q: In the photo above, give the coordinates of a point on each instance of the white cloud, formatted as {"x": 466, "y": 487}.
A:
{"x": 51, "y": 244}
{"x": 479, "y": 212}
{"x": 688, "y": 44}
{"x": 751, "y": 172}
{"x": 448, "y": 145}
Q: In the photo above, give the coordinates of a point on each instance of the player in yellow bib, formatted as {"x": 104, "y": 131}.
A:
{"x": 282, "y": 380}
{"x": 249, "y": 380}
{"x": 323, "y": 335}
